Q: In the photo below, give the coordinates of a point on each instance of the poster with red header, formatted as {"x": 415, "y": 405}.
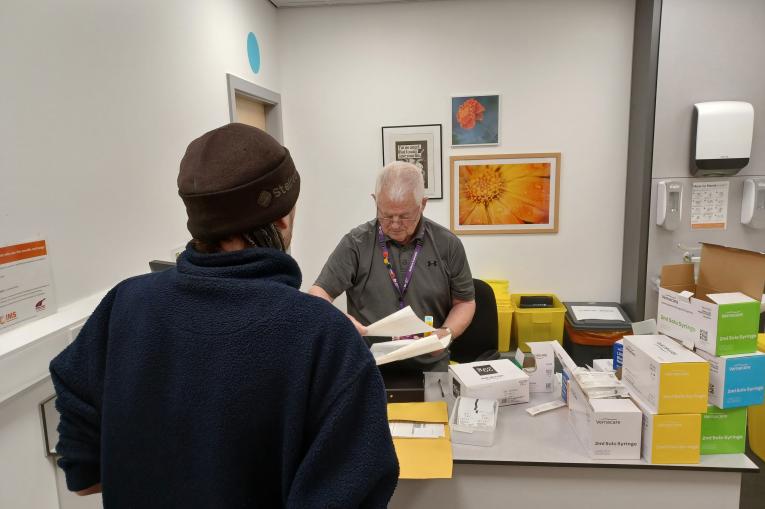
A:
{"x": 26, "y": 286}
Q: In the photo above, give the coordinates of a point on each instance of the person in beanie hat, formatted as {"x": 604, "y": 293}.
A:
{"x": 218, "y": 383}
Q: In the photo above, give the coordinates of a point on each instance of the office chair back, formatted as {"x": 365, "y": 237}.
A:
{"x": 479, "y": 341}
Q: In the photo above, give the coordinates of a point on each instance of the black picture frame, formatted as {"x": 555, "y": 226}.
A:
{"x": 422, "y": 145}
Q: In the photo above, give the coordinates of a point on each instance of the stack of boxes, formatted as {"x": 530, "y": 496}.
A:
{"x": 608, "y": 428}
{"x": 695, "y": 403}
{"x": 669, "y": 384}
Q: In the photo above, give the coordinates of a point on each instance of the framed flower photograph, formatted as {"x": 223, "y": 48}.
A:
{"x": 505, "y": 193}
{"x": 421, "y": 146}
{"x": 475, "y": 120}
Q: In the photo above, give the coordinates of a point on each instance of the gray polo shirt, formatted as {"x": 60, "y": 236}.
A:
{"x": 357, "y": 268}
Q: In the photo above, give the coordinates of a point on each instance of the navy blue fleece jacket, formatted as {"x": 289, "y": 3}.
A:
{"x": 219, "y": 384}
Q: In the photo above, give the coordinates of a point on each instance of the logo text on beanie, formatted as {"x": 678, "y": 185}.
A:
{"x": 286, "y": 185}
{"x": 264, "y": 199}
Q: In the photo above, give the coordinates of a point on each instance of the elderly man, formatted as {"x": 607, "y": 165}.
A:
{"x": 218, "y": 383}
{"x": 401, "y": 258}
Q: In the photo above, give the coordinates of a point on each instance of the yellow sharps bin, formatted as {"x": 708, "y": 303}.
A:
{"x": 504, "y": 312}
{"x": 537, "y": 324}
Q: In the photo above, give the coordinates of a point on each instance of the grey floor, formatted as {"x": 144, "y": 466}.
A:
{"x": 753, "y": 486}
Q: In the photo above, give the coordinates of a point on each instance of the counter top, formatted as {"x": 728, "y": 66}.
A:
{"x": 548, "y": 439}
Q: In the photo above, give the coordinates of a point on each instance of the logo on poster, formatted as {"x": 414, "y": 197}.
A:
{"x": 8, "y": 317}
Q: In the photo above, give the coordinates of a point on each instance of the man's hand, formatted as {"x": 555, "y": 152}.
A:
{"x": 442, "y": 332}
{"x": 360, "y": 328}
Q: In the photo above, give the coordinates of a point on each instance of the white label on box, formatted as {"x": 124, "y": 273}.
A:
{"x": 597, "y": 313}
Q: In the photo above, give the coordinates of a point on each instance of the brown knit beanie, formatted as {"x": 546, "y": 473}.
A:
{"x": 234, "y": 179}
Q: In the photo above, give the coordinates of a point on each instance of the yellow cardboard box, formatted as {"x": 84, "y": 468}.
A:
{"x": 669, "y": 438}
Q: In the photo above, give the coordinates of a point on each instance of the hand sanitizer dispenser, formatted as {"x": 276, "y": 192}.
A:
{"x": 753, "y": 203}
{"x": 669, "y": 204}
{"x": 721, "y": 137}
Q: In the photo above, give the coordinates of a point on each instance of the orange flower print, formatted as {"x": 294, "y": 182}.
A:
{"x": 470, "y": 112}
{"x": 504, "y": 194}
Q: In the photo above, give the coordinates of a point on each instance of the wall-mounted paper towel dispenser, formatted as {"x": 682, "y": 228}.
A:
{"x": 721, "y": 139}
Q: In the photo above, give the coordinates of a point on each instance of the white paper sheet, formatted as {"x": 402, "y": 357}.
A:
{"x": 401, "y": 323}
{"x": 597, "y": 313}
{"x": 414, "y": 348}
{"x": 416, "y": 430}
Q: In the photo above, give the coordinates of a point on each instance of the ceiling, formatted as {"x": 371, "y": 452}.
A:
{"x": 314, "y": 3}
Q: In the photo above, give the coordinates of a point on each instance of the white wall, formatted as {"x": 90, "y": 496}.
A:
{"x": 99, "y": 100}
{"x": 563, "y": 69}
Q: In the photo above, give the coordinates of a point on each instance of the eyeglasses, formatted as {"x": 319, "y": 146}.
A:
{"x": 388, "y": 220}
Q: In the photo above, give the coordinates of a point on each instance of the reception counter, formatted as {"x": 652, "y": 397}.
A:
{"x": 538, "y": 462}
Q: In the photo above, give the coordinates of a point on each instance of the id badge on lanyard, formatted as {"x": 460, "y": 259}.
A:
{"x": 400, "y": 289}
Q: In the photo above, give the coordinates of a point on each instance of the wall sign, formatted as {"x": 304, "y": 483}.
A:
{"x": 26, "y": 288}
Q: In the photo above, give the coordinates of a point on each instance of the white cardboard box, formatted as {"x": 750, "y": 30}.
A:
{"x": 606, "y": 428}
{"x": 473, "y": 421}
{"x": 719, "y": 313}
{"x": 499, "y": 379}
{"x": 539, "y": 365}
{"x": 668, "y": 378}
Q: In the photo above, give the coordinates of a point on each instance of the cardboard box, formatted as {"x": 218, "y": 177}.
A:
{"x": 539, "y": 365}
{"x": 719, "y": 313}
{"x": 606, "y": 428}
{"x": 736, "y": 380}
{"x": 474, "y": 421}
{"x": 723, "y": 431}
{"x": 669, "y": 438}
{"x": 500, "y": 379}
{"x": 669, "y": 378}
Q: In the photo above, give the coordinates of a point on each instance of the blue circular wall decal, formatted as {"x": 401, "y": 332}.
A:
{"x": 253, "y": 52}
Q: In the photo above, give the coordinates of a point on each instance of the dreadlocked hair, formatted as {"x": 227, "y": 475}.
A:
{"x": 266, "y": 236}
{"x": 263, "y": 236}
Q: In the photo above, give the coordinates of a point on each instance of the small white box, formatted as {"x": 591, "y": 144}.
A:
{"x": 606, "y": 428}
{"x": 539, "y": 365}
{"x": 474, "y": 421}
{"x": 500, "y": 379}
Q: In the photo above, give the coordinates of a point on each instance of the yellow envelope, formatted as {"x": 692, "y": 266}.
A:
{"x": 422, "y": 458}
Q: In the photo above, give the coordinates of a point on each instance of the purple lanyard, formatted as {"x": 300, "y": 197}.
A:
{"x": 386, "y": 259}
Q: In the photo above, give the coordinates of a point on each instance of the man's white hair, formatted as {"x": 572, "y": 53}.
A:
{"x": 399, "y": 180}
